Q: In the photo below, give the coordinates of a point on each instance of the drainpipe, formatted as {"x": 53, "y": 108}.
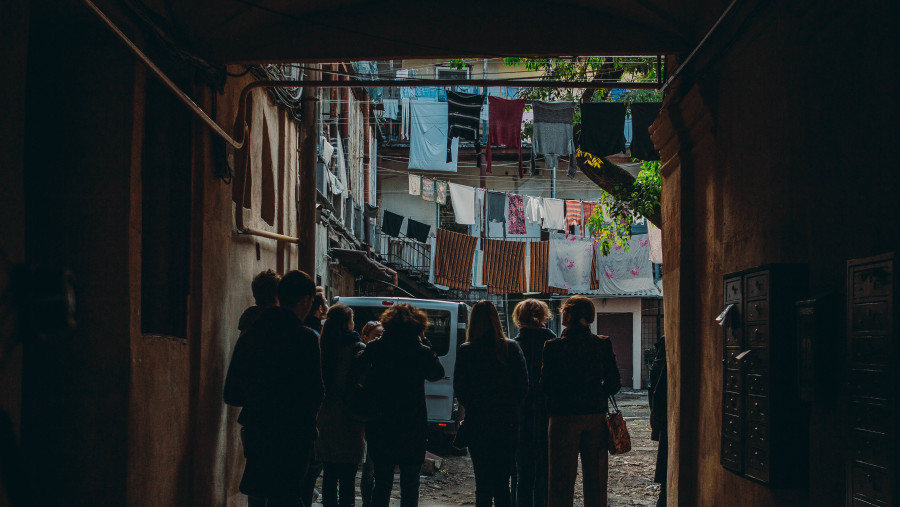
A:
{"x": 306, "y": 205}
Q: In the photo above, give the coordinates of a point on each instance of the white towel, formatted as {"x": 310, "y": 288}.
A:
{"x": 655, "y": 234}
{"x": 415, "y": 184}
{"x": 390, "y": 108}
{"x": 404, "y": 122}
{"x": 554, "y": 214}
{"x": 533, "y": 209}
{"x": 463, "y": 199}
{"x": 327, "y": 151}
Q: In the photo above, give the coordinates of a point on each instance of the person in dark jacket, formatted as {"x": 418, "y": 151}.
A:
{"x": 399, "y": 365}
{"x": 659, "y": 431}
{"x": 370, "y": 332}
{"x": 579, "y": 372}
{"x": 265, "y": 293}
{"x": 530, "y": 316}
{"x": 275, "y": 376}
{"x": 341, "y": 441}
{"x": 490, "y": 381}
{"x": 318, "y": 312}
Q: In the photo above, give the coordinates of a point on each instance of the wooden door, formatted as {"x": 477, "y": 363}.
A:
{"x": 618, "y": 326}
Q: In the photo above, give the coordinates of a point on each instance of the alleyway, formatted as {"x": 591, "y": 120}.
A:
{"x": 630, "y": 475}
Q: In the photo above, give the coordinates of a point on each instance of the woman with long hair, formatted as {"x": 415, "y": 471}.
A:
{"x": 340, "y": 445}
{"x": 490, "y": 380}
{"x": 398, "y": 366}
{"x": 531, "y": 317}
{"x": 579, "y": 372}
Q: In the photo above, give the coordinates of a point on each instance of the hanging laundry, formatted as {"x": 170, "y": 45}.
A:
{"x": 428, "y": 189}
{"x": 417, "y": 230}
{"x": 463, "y": 114}
{"x": 340, "y": 168}
{"x": 573, "y": 214}
{"x": 569, "y": 266}
{"x": 587, "y": 212}
{"x": 390, "y": 108}
{"x": 595, "y": 282}
{"x": 603, "y": 128}
{"x": 516, "y": 222}
{"x": 327, "y": 151}
{"x": 480, "y": 212}
{"x": 505, "y": 127}
{"x": 415, "y": 184}
{"x": 655, "y": 237}
{"x": 496, "y": 206}
{"x": 643, "y": 114}
{"x": 533, "y": 209}
{"x": 539, "y": 274}
{"x": 390, "y": 223}
{"x": 404, "y": 117}
{"x": 504, "y": 266}
{"x": 554, "y": 214}
{"x": 624, "y": 271}
{"x": 427, "y": 93}
{"x": 440, "y": 192}
{"x": 463, "y": 200}
{"x": 428, "y": 143}
{"x": 553, "y": 131}
{"x": 453, "y": 256}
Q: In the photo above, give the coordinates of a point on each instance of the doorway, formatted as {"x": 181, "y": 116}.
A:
{"x": 619, "y": 328}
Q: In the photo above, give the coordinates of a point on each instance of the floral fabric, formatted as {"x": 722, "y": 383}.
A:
{"x": 570, "y": 263}
{"x": 441, "y": 190}
{"x": 428, "y": 189}
{"x": 516, "y": 214}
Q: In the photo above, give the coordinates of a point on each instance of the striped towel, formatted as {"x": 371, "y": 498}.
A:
{"x": 573, "y": 213}
{"x": 540, "y": 277}
{"x": 453, "y": 257}
{"x": 504, "y": 266}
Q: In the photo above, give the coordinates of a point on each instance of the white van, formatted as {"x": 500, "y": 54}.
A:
{"x": 446, "y": 333}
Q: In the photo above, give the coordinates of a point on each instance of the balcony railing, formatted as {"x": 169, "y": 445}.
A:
{"x": 406, "y": 255}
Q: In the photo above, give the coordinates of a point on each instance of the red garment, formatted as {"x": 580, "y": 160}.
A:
{"x": 505, "y": 126}
{"x": 587, "y": 212}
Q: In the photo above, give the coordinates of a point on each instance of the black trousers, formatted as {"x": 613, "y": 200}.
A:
{"x": 493, "y": 457}
{"x": 384, "y": 482}
{"x": 339, "y": 484}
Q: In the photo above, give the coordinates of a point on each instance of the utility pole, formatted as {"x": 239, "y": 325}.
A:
{"x": 306, "y": 198}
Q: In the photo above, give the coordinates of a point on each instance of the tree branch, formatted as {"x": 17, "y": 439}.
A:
{"x": 615, "y": 180}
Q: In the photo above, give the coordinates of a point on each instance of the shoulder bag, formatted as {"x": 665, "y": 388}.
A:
{"x": 619, "y": 439}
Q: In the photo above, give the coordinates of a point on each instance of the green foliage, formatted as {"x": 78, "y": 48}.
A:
{"x": 613, "y": 217}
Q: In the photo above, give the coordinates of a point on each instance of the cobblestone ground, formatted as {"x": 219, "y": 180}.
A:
{"x": 630, "y": 474}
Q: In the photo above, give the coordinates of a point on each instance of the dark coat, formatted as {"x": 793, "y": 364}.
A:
{"x": 275, "y": 376}
{"x": 579, "y": 371}
{"x": 658, "y": 392}
{"x": 399, "y": 367}
{"x": 341, "y": 437}
{"x": 491, "y": 391}
{"x": 250, "y": 315}
{"x": 533, "y": 417}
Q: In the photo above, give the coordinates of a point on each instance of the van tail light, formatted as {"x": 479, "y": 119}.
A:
{"x": 443, "y": 425}
{"x": 386, "y": 303}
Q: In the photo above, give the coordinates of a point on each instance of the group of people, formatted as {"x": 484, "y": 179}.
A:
{"x": 532, "y": 404}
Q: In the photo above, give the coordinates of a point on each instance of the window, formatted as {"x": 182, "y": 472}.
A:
{"x": 438, "y": 333}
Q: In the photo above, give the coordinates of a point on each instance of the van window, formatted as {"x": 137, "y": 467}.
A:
{"x": 438, "y": 333}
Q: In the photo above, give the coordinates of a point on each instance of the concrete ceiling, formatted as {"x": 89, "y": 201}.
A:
{"x": 244, "y": 31}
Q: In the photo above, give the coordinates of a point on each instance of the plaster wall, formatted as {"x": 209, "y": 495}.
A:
{"x": 624, "y": 305}
{"x": 762, "y": 165}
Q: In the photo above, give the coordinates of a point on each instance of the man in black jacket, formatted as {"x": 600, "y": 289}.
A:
{"x": 658, "y": 393}
{"x": 275, "y": 375}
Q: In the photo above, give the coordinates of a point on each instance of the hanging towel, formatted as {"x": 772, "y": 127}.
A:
{"x": 587, "y": 212}
{"x": 496, "y": 206}
{"x": 390, "y": 224}
{"x": 516, "y": 222}
{"x": 417, "y": 230}
{"x": 463, "y": 115}
{"x": 463, "y": 200}
{"x": 554, "y": 214}
{"x": 595, "y": 282}
{"x": 505, "y": 127}
{"x": 553, "y": 130}
{"x": 480, "y": 196}
{"x": 415, "y": 184}
{"x": 453, "y": 255}
{"x": 404, "y": 117}
{"x": 440, "y": 192}
{"x": 643, "y": 115}
{"x": 603, "y": 128}
{"x": 539, "y": 279}
{"x": 626, "y": 272}
{"x": 390, "y": 108}
{"x": 504, "y": 266}
{"x": 569, "y": 266}
{"x": 428, "y": 189}
{"x": 340, "y": 168}
{"x": 327, "y": 151}
{"x": 655, "y": 237}
{"x": 573, "y": 213}
{"x": 533, "y": 209}
{"x": 428, "y": 142}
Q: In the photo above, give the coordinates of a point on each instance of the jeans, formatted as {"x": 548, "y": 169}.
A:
{"x": 492, "y": 459}
{"x": 335, "y": 474}
{"x": 367, "y": 482}
{"x": 384, "y": 482}
{"x": 571, "y": 435}
{"x": 531, "y": 471}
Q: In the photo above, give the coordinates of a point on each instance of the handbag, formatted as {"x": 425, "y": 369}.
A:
{"x": 619, "y": 439}
{"x": 463, "y": 437}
